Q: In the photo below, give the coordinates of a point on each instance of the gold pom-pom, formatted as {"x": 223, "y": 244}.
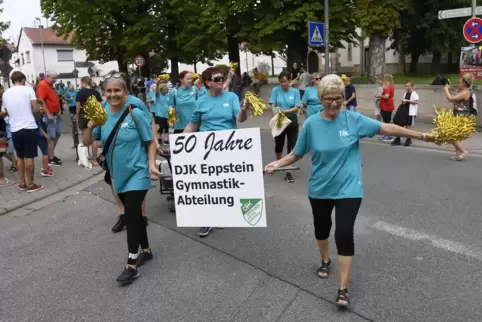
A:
{"x": 450, "y": 129}
{"x": 281, "y": 117}
{"x": 94, "y": 111}
{"x": 256, "y": 104}
{"x": 233, "y": 65}
{"x": 163, "y": 77}
{"x": 195, "y": 76}
{"x": 172, "y": 117}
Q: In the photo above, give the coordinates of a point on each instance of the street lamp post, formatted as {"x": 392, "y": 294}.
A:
{"x": 42, "y": 43}
{"x": 327, "y": 43}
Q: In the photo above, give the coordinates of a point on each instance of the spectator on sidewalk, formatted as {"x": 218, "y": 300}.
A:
{"x": 49, "y": 98}
{"x": 20, "y": 103}
{"x": 386, "y": 103}
{"x": 406, "y": 112}
{"x": 305, "y": 81}
{"x": 10, "y": 150}
{"x": 350, "y": 95}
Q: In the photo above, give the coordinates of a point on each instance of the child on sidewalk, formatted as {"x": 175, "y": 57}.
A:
{"x": 10, "y": 155}
{"x": 377, "y": 98}
{"x": 386, "y": 103}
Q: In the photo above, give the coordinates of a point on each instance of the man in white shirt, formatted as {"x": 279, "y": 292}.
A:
{"x": 19, "y": 103}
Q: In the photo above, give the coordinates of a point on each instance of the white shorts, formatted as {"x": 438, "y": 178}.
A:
{"x": 377, "y": 111}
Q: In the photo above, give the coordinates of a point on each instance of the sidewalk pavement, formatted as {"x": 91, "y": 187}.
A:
{"x": 68, "y": 175}
{"x": 472, "y": 144}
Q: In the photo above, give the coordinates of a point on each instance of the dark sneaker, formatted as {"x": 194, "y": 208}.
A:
{"x": 289, "y": 178}
{"x": 143, "y": 258}
{"x": 119, "y": 225}
{"x": 56, "y": 162}
{"x": 35, "y": 188}
{"x": 396, "y": 142}
{"x": 146, "y": 222}
{"x": 204, "y": 231}
{"x": 408, "y": 142}
{"x": 21, "y": 187}
{"x": 128, "y": 275}
{"x": 13, "y": 169}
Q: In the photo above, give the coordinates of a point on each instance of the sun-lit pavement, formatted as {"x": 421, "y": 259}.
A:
{"x": 418, "y": 254}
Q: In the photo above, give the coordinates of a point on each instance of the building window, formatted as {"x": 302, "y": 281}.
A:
{"x": 65, "y": 55}
{"x": 27, "y": 54}
{"x": 23, "y": 60}
{"x": 350, "y": 52}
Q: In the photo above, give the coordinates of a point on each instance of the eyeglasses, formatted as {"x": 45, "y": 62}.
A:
{"x": 329, "y": 101}
{"x": 114, "y": 75}
{"x": 217, "y": 79}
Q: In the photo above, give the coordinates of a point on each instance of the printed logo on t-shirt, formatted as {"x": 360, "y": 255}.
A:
{"x": 343, "y": 133}
{"x": 124, "y": 125}
{"x": 291, "y": 97}
{"x": 226, "y": 104}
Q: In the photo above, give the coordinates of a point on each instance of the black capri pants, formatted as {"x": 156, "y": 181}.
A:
{"x": 136, "y": 229}
{"x": 291, "y": 134}
{"x": 163, "y": 124}
{"x": 346, "y": 211}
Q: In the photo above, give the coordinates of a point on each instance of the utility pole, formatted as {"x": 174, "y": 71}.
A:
{"x": 327, "y": 37}
{"x": 474, "y": 6}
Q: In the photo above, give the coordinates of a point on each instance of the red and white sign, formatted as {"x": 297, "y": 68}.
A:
{"x": 473, "y": 30}
{"x": 474, "y": 70}
{"x": 139, "y": 61}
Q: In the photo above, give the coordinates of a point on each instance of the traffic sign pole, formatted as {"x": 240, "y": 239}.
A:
{"x": 326, "y": 40}
{"x": 474, "y": 7}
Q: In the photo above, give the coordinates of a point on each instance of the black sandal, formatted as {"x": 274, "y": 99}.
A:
{"x": 324, "y": 269}
{"x": 342, "y": 296}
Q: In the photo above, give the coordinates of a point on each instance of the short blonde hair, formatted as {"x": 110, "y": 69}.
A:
{"x": 330, "y": 83}
{"x": 314, "y": 76}
{"x": 468, "y": 79}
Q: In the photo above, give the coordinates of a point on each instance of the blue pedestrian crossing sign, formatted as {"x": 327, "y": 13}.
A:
{"x": 316, "y": 33}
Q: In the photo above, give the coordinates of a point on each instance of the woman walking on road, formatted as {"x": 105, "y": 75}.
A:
{"x": 336, "y": 175}
{"x": 183, "y": 99}
{"x": 218, "y": 110}
{"x": 132, "y": 135}
{"x": 287, "y": 99}
{"x": 464, "y": 104}
{"x": 310, "y": 103}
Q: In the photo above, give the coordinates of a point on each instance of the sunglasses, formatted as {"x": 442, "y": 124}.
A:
{"x": 114, "y": 75}
{"x": 317, "y": 78}
{"x": 217, "y": 79}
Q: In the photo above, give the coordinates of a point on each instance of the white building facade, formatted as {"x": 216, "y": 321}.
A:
{"x": 40, "y": 50}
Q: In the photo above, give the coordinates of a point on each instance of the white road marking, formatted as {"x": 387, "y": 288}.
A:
{"x": 438, "y": 242}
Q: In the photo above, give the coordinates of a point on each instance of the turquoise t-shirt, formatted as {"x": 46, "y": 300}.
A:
{"x": 127, "y": 158}
{"x": 215, "y": 113}
{"x": 311, "y": 101}
{"x": 152, "y": 96}
{"x": 336, "y": 171}
{"x": 184, "y": 103}
{"x": 131, "y": 99}
{"x": 163, "y": 105}
{"x": 203, "y": 91}
{"x": 286, "y": 100}
{"x": 70, "y": 97}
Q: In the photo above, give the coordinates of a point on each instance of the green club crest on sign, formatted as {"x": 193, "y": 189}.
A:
{"x": 252, "y": 210}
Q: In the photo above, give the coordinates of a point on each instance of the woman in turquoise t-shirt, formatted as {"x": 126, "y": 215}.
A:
{"x": 216, "y": 111}
{"x": 183, "y": 99}
{"x": 333, "y": 137}
{"x": 130, "y": 176}
{"x": 287, "y": 99}
{"x": 70, "y": 95}
{"x": 310, "y": 103}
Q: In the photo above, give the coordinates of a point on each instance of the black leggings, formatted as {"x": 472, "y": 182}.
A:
{"x": 346, "y": 211}
{"x": 291, "y": 132}
{"x": 136, "y": 229}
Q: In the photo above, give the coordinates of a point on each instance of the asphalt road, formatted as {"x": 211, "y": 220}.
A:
{"x": 418, "y": 254}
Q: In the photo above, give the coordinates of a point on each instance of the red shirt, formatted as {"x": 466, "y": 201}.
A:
{"x": 387, "y": 104}
{"x": 46, "y": 93}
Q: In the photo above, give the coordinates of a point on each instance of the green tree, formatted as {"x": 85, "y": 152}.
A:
{"x": 282, "y": 26}
{"x": 107, "y": 29}
{"x": 3, "y": 24}
{"x": 378, "y": 20}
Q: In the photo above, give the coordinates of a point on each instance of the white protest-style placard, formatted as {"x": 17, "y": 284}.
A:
{"x": 218, "y": 178}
